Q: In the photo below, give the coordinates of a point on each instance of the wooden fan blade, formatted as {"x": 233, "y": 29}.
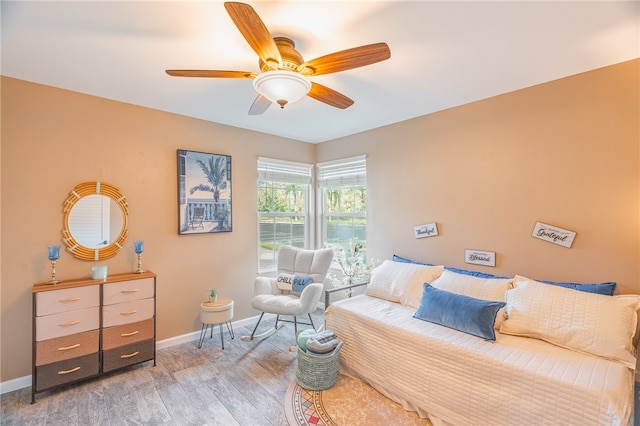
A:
{"x": 259, "y": 105}
{"x": 329, "y": 96}
{"x": 211, "y": 73}
{"x": 346, "y": 59}
{"x": 254, "y": 31}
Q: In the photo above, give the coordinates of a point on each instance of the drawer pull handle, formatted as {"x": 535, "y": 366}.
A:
{"x": 72, "y": 322}
{"x": 133, "y": 333}
{"x": 73, "y": 370}
{"x": 131, "y": 290}
{"x": 66, "y": 348}
{"x": 131, "y": 312}
{"x": 129, "y": 355}
{"x": 69, "y": 299}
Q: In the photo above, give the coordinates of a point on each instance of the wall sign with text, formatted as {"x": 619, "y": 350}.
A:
{"x": 478, "y": 257}
{"x": 553, "y": 234}
{"x": 428, "y": 230}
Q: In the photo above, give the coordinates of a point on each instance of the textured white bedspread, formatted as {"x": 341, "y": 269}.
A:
{"x": 464, "y": 380}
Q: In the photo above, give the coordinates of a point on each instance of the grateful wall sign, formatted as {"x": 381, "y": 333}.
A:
{"x": 553, "y": 234}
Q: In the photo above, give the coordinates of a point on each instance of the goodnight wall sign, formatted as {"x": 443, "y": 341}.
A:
{"x": 553, "y": 234}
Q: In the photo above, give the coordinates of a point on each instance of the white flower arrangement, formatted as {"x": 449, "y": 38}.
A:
{"x": 354, "y": 269}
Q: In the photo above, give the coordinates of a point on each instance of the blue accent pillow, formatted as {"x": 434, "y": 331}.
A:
{"x": 472, "y": 273}
{"x": 606, "y": 289}
{"x": 463, "y": 313}
{"x": 300, "y": 282}
{"x": 399, "y": 259}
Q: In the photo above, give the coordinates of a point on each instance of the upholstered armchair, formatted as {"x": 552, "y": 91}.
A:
{"x": 279, "y": 296}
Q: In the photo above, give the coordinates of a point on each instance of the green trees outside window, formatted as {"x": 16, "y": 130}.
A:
{"x": 282, "y": 214}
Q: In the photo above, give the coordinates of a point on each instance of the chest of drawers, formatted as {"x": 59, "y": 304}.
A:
{"x": 83, "y": 328}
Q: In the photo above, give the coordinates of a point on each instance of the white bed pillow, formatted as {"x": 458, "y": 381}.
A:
{"x": 584, "y": 322}
{"x": 401, "y": 282}
{"x": 493, "y": 289}
{"x": 380, "y": 282}
{"x": 606, "y": 288}
{"x": 409, "y": 283}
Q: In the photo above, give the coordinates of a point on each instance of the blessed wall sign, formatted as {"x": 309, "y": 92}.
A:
{"x": 478, "y": 257}
{"x": 553, "y": 234}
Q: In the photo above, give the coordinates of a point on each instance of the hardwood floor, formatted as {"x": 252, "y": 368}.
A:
{"x": 244, "y": 384}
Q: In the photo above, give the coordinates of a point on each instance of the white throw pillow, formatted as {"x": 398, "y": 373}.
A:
{"x": 380, "y": 282}
{"x": 408, "y": 285}
{"x": 479, "y": 288}
{"x": 401, "y": 282}
{"x": 584, "y": 322}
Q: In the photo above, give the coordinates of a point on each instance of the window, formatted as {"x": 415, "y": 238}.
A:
{"x": 283, "y": 208}
{"x": 343, "y": 192}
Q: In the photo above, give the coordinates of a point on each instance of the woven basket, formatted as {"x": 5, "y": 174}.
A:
{"x": 317, "y": 371}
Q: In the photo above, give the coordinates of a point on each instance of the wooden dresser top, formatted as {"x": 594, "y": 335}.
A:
{"x": 80, "y": 282}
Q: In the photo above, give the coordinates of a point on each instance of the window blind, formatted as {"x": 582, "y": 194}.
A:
{"x": 284, "y": 171}
{"x": 348, "y": 171}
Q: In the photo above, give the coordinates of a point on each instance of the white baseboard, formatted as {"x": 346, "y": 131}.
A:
{"x": 15, "y": 384}
{"x": 184, "y": 338}
{"x": 25, "y": 381}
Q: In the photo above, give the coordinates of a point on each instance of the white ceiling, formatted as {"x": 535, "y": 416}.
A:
{"x": 443, "y": 54}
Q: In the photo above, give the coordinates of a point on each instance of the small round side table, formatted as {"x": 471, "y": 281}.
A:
{"x": 216, "y": 313}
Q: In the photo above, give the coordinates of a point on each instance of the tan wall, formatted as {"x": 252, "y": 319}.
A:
{"x": 566, "y": 153}
{"x": 54, "y": 139}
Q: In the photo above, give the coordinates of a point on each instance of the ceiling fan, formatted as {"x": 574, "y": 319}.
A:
{"x": 283, "y": 76}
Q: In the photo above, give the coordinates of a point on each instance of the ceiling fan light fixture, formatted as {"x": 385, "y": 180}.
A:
{"x": 282, "y": 87}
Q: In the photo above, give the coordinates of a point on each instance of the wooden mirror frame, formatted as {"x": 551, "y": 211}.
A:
{"x": 94, "y": 188}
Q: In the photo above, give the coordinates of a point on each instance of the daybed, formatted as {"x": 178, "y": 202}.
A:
{"x": 576, "y": 367}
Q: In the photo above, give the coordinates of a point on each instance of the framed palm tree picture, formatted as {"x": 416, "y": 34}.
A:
{"x": 204, "y": 193}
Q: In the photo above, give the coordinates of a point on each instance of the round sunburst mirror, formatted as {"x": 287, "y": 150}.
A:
{"x": 95, "y": 221}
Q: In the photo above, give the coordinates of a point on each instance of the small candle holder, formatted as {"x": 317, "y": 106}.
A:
{"x": 54, "y": 254}
{"x": 138, "y": 246}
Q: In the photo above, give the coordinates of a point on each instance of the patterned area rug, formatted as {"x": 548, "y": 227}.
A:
{"x": 348, "y": 402}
